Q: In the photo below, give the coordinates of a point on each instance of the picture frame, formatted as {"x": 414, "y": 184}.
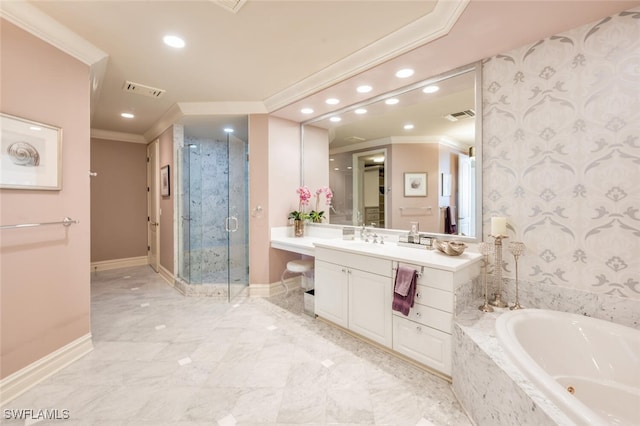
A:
{"x": 446, "y": 185}
{"x": 415, "y": 184}
{"x": 30, "y": 154}
{"x": 165, "y": 181}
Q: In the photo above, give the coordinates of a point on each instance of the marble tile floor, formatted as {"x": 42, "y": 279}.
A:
{"x": 164, "y": 359}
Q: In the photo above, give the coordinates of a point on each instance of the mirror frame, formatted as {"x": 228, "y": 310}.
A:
{"x": 475, "y": 67}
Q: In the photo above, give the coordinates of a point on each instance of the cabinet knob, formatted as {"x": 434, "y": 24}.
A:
{"x": 418, "y": 314}
{"x": 419, "y": 329}
{"x": 418, "y": 296}
{"x": 344, "y": 270}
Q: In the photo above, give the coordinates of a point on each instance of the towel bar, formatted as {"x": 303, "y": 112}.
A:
{"x": 67, "y": 221}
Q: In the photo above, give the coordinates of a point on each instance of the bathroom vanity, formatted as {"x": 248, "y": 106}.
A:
{"x": 354, "y": 283}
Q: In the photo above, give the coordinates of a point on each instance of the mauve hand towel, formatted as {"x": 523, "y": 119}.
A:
{"x": 404, "y": 289}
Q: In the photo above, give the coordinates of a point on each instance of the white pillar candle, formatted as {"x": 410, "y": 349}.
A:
{"x": 498, "y": 226}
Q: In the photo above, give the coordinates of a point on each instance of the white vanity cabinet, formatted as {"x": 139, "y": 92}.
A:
{"x": 355, "y": 292}
{"x": 425, "y": 333}
{"x": 354, "y": 289}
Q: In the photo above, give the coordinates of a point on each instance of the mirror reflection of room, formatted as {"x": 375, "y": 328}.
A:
{"x": 428, "y": 134}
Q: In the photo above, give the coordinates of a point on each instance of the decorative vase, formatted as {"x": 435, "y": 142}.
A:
{"x": 298, "y": 228}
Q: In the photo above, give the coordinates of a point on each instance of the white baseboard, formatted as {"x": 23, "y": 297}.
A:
{"x": 119, "y": 263}
{"x": 166, "y": 275}
{"x": 19, "y": 382}
{"x": 268, "y": 290}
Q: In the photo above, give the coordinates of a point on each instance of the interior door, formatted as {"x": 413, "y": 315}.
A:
{"x": 153, "y": 204}
{"x": 464, "y": 196}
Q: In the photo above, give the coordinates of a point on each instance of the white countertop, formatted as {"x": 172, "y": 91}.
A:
{"x": 389, "y": 250}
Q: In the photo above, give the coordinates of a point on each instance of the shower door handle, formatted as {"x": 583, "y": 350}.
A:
{"x": 228, "y": 221}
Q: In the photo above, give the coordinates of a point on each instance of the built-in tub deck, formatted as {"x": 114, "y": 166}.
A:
{"x": 489, "y": 386}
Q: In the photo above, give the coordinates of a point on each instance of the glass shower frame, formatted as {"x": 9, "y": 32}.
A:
{"x": 213, "y": 215}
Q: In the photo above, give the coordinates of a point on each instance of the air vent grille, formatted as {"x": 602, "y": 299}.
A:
{"x": 354, "y": 139}
{"x": 455, "y": 116}
{"x": 141, "y": 89}
{"x": 232, "y": 6}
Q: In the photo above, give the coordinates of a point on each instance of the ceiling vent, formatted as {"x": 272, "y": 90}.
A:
{"x": 141, "y": 89}
{"x": 354, "y": 139}
{"x": 232, "y": 6}
{"x": 455, "y": 116}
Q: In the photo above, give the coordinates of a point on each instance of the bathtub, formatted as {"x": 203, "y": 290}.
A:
{"x": 589, "y": 368}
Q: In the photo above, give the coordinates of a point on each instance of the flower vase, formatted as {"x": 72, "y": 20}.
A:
{"x": 298, "y": 227}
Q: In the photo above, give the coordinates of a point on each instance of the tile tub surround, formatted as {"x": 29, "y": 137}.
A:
{"x": 488, "y": 385}
{"x": 163, "y": 359}
{"x": 623, "y": 311}
{"x": 561, "y": 145}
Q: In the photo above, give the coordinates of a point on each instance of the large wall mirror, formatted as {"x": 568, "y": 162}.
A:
{"x": 406, "y": 157}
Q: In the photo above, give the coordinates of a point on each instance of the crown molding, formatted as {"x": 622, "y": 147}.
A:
{"x": 222, "y": 108}
{"x": 117, "y": 136}
{"x": 427, "y": 28}
{"x": 392, "y": 140}
{"x": 168, "y": 119}
{"x": 36, "y": 22}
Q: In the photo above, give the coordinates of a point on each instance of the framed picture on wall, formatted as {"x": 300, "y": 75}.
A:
{"x": 30, "y": 154}
{"x": 165, "y": 183}
{"x": 415, "y": 184}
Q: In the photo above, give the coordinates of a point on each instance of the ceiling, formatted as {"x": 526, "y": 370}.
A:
{"x": 277, "y": 56}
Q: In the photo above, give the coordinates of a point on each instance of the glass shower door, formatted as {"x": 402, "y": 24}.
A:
{"x": 237, "y": 220}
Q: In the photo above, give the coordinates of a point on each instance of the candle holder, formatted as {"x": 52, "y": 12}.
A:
{"x": 497, "y": 276}
{"x": 485, "y": 250}
{"x": 517, "y": 249}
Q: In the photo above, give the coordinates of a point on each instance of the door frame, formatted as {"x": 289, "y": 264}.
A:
{"x": 153, "y": 204}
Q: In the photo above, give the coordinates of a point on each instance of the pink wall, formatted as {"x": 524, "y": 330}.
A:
{"x": 118, "y": 200}
{"x": 274, "y": 153}
{"x": 166, "y": 203}
{"x": 414, "y": 157}
{"x": 45, "y": 282}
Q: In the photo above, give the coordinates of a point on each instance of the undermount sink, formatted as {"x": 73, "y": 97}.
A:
{"x": 365, "y": 246}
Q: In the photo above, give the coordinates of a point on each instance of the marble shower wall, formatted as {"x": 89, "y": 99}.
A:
{"x": 561, "y": 157}
{"x": 207, "y": 196}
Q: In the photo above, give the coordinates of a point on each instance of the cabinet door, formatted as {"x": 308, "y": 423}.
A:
{"x": 424, "y": 344}
{"x": 370, "y": 298}
{"x": 331, "y": 293}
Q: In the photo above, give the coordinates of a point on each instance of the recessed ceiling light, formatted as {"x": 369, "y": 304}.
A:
{"x": 391, "y": 101}
{"x": 173, "y": 41}
{"x": 332, "y": 159}
{"x": 335, "y": 119}
{"x": 127, "y": 115}
{"x": 307, "y": 110}
{"x": 360, "y": 111}
{"x": 349, "y": 167}
{"x": 228, "y": 130}
{"x": 378, "y": 160}
{"x": 364, "y": 89}
{"x": 332, "y": 101}
{"x": 408, "y": 126}
{"x": 336, "y": 168}
{"x": 404, "y": 73}
{"x": 35, "y": 128}
{"x": 430, "y": 89}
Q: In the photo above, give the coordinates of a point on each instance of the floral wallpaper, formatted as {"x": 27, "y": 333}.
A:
{"x": 562, "y": 156}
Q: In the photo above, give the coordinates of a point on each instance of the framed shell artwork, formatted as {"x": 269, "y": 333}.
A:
{"x": 30, "y": 154}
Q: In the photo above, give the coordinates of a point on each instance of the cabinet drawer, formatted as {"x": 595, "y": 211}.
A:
{"x": 371, "y": 264}
{"x": 426, "y": 345}
{"x": 431, "y": 317}
{"x": 431, "y": 277}
{"x": 435, "y": 298}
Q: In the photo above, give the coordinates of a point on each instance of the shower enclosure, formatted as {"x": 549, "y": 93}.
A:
{"x": 213, "y": 217}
